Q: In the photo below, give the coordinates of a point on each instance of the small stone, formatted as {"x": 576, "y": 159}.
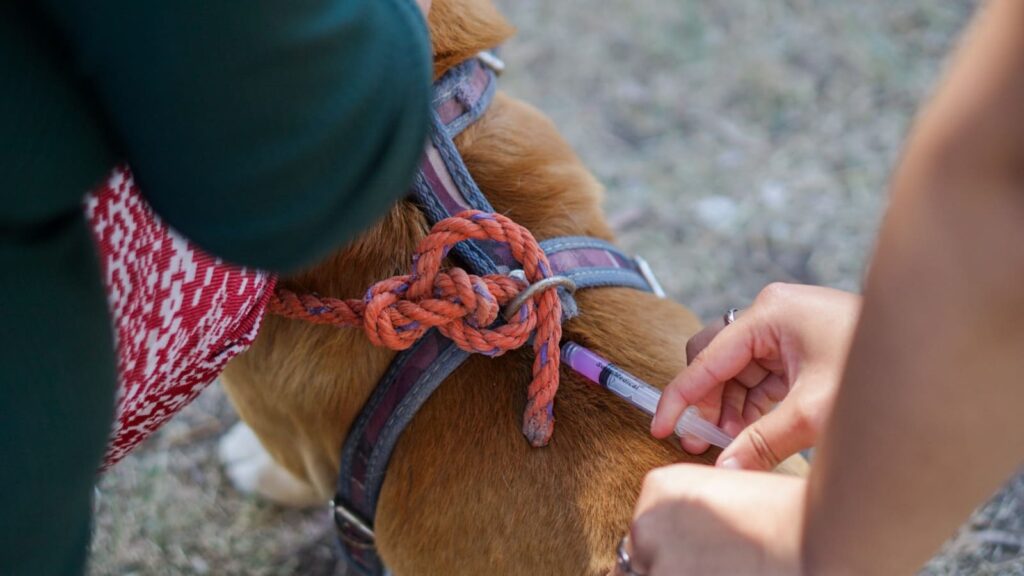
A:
{"x": 720, "y": 213}
{"x": 199, "y": 565}
{"x": 774, "y": 195}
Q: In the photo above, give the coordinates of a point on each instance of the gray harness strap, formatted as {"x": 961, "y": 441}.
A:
{"x": 443, "y": 187}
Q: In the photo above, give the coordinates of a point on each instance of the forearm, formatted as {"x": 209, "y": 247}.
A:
{"x": 268, "y": 133}
{"x": 926, "y": 424}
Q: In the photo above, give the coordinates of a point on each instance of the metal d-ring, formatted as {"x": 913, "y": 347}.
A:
{"x": 539, "y": 286}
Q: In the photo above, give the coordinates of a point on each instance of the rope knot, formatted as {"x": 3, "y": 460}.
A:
{"x": 464, "y": 307}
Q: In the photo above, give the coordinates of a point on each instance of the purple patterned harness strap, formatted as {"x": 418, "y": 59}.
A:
{"x": 443, "y": 187}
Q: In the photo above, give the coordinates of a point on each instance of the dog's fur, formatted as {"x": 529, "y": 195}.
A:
{"x": 465, "y": 493}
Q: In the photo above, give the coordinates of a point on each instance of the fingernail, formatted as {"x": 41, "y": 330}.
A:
{"x": 730, "y": 464}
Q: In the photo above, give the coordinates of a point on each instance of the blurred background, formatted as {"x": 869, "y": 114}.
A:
{"x": 741, "y": 142}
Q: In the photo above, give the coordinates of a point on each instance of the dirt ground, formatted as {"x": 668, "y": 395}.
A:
{"x": 741, "y": 141}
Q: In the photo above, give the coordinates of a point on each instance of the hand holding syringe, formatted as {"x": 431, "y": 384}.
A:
{"x": 638, "y": 393}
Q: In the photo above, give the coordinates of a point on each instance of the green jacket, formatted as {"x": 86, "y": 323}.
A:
{"x": 267, "y": 132}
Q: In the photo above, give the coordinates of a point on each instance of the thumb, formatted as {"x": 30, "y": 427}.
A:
{"x": 768, "y": 441}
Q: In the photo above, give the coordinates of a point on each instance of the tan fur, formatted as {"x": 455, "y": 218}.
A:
{"x": 461, "y": 28}
{"x": 465, "y": 494}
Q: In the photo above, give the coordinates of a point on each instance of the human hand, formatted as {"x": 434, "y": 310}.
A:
{"x": 789, "y": 346}
{"x": 424, "y": 6}
{"x": 693, "y": 519}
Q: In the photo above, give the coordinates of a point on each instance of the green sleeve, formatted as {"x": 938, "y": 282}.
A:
{"x": 269, "y": 131}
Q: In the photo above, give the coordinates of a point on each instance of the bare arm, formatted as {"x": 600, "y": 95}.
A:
{"x": 927, "y": 422}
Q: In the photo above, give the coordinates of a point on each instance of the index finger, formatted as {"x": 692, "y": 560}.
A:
{"x": 731, "y": 350}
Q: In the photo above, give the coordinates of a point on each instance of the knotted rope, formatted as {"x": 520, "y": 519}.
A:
{"x": 397, "y": 311}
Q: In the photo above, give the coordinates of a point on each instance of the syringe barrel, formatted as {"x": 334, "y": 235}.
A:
{"x": 603, "y": 373}
{"x": 637, "y": 392}
{"x": 611, "y": 377}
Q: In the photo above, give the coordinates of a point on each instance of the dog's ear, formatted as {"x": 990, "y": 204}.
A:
{"x": 461, "y": 28}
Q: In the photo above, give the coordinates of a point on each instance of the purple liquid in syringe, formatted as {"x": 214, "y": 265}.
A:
{"x": 637, "y": 392}
{"x": 609, "y": 376}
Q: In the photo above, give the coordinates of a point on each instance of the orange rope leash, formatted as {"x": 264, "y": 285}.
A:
{"x": 397, "y": 311}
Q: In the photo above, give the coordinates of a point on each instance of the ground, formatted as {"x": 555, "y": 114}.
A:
{"x": 741, "y": 141}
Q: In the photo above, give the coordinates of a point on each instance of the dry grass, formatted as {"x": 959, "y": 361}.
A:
{"x": 741, "y": 141}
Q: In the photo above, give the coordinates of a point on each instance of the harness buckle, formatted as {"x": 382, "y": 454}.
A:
{"x": 352, "y": 529}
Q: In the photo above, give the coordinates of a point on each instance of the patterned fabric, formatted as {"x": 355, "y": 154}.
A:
{"x": 178, "y": 313}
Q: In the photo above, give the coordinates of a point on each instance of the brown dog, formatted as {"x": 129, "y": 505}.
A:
{"x": 465, "y": 493}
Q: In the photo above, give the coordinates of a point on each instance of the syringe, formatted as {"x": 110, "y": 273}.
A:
{"x": 638, "y": 393}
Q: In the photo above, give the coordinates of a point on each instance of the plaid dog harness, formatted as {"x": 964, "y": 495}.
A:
{"x": 179, "y": 314}
{"x": 444, "y": 188}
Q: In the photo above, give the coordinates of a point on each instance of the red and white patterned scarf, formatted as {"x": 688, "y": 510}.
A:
{"x": 179, "y": 314}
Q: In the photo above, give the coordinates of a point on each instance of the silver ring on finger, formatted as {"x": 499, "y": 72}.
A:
{"x": 622, "y": 559}
{"x": 730, "y": 316}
